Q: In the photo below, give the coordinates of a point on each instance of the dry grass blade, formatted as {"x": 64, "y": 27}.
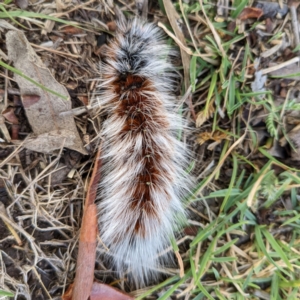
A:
{"x": 280, "y": 66}
{"x": 11, "y": 223}
{"x": 213, "y": 30}
{"x": 10, "y": 228}
{"x": 174, "y": 18}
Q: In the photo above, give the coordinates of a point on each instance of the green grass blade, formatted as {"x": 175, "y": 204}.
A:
{"x": 8, "y": 67}
{"x": 276, "y": 247}
{"x": 6, "y": 294}
{"x": 159, "y": 286}
{"x": 169, "y": 292}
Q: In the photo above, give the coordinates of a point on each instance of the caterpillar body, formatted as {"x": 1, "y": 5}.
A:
{"x": 143, "y": 180}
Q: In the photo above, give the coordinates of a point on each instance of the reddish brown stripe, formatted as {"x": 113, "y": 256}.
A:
{"x": 143, "y": 116}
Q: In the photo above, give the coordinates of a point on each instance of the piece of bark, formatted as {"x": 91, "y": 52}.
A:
{"x": 52, "y": 130}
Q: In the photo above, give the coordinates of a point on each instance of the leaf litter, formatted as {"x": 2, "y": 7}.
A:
{"x": 245, "y": 210}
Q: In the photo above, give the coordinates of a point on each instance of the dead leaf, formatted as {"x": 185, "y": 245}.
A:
{"x": 203, "y": 115}
{"x": 101, "y": 291}
{"x": 47, "y": 142}
{"x": 43, "y": 109}
{"x": 9, "y": 115}
{"x": 83, "y": 283}
{"x": 250, "y": 13}
{"x": 86, "y": 255}
{"x": 272, "y": 9}
{"x": 216, "y": 136}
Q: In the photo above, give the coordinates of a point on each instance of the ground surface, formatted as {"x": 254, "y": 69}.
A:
{"x": 240, "y": 81}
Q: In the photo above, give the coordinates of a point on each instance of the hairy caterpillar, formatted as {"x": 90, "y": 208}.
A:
{"x": 142, "y": 176}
